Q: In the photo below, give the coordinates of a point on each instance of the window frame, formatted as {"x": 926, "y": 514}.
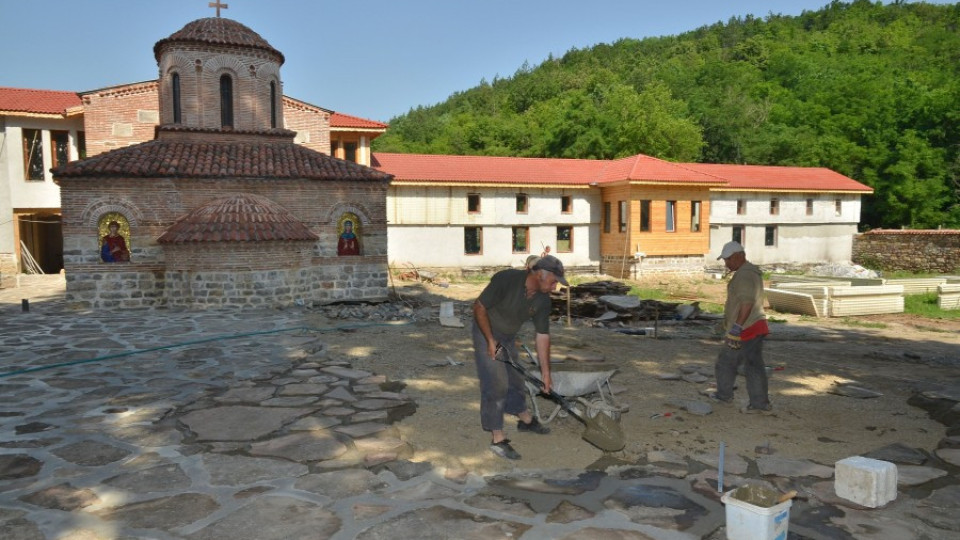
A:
{"x": 645, "y": 223}
{"x": 54, "y": 152}
{"x": 607, "y": 216}
{"x": 350, "y": 151}
{"x": 696, "y": 216}
{"x": 176, "y": 97}
{"x": 809, "y": 207}
{"x": 622, "y": 210}
{"x": 774, "y": 206}
{"x": 273, "y": 104}
{"x": 569, "y": 240}
{"x": 838, "y": 207}
{"x": 526, "y": 239}
{"x": 741, "y": 237}
{"x": 522, "y": 203}
{"x": 32, "y": 154}
{"x": 741, "y": 207}
{"x": 478, "y": 239}
{"x": 566, "y": 204}
{"x": 471, "y": 198}
{"x": 226, "y": 101}
{"x": 670, "y": 216}
{"x": 770, "y": 236}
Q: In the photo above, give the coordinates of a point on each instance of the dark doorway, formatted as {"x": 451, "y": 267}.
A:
{"x": 42, "y": 234}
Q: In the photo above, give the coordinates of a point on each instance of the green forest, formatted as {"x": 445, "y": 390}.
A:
{"x": 869, "y": 90}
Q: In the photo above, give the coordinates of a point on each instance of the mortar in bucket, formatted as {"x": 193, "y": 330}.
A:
{"x": 756, "y": 513}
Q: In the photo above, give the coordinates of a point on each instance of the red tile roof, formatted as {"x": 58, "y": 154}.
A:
{"x": 25, "y": 100}
{"x": 168, "y": 158}
{"x": 238, "y": 218}
{"x": 340, "y": 120}
{"x": 651, "y": 169}
{"x": 544, "y": 171}
{"x": 216, "y": 31}
{"x": 919, "y": 232}
{"x": 770, "y": 178}
{"x": 486, "y": 169}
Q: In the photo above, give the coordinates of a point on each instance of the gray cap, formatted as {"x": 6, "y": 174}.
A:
{"x": 729, "y": 249}
{"x": 553, "y": 265}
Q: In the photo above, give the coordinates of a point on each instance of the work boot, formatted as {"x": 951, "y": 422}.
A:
{"x": 504, "y": 450}
{"x": 533, "y": 427}
{"x": 750, "y": 409}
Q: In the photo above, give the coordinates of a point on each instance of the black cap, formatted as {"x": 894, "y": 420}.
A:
{"x": 553, "y": 265}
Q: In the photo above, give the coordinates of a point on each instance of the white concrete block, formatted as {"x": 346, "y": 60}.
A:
{"x": 867, "y": 482}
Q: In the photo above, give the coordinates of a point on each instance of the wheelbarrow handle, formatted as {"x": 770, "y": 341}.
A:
{"x": 503, "y": 355}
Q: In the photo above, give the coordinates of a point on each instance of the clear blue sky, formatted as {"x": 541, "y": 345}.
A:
{"x": 375, "y": 59}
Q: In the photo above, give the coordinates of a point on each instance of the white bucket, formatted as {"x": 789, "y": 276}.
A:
{"x": 746, "y": 521}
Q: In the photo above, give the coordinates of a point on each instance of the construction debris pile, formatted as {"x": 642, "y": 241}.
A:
{"x": 608, "y": 303}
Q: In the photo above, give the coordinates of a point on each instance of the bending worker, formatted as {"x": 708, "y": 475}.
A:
{"x": 511, "y": 298}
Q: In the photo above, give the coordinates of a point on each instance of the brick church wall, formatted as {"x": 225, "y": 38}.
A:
{"x": 126, "y": 115}
{"x": 909, "y": 250}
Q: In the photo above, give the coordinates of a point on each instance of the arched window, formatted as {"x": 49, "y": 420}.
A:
{"x": 273, "y": 104}
{"x": 226, "y": 101}
{"x": 176, "y": 98}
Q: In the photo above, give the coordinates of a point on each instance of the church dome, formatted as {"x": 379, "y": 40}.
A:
{"x": 217, "y": 31}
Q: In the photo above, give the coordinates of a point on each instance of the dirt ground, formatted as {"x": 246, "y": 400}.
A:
{"x": 895, "y": 355}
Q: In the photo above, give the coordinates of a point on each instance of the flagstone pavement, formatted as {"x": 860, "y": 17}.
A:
{"x": 206, "y": 425}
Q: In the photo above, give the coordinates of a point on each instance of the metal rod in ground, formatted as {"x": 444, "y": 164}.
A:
{"x": 720, "y": 471}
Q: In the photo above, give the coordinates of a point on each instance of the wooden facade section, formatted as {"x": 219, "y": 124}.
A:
{"x": 659, "y": 240}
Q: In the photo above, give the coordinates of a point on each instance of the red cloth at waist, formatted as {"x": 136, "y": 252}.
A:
{"x": 756, "y": 329}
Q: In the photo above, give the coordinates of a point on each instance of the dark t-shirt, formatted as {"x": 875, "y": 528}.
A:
{"x": 508, "y": 306}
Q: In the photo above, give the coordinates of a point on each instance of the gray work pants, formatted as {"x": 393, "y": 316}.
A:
{"x": 501, "y": 386}
{"x": 754, "y": 370}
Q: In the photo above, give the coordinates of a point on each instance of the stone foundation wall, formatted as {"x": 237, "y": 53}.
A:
{"x": 909, "y": 250}
{"x": 614, "y": 266}
{"x": 150, "y": 286}
{"x": 8, "y": 268}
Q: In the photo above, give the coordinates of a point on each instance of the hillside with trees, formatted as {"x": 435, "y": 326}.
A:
{"x": 869, "y": 90}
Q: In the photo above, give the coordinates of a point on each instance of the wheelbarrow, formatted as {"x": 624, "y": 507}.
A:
{"x": 589, "y": 389}
{"x": 602, "y": 431}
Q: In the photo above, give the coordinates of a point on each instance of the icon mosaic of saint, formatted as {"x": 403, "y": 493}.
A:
{"x": 349, "y": 241}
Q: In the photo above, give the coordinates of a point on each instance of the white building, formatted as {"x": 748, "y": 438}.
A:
{"x": 39, "y": 129}
{"x": 784, "y": 214}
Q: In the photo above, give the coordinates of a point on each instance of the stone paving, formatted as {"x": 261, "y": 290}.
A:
{"x": 241, "y": 425}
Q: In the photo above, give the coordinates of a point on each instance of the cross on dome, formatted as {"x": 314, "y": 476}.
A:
{"x": 218, "y": 5}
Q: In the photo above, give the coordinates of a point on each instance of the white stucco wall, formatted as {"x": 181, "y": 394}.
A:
{"x": 426, "y": 225}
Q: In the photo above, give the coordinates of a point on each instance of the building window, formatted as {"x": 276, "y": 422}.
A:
{"x": 774, "y": 207}
{"x": 273, "y": 104}
{"x": 809, "y": 207}
{"x": 566, "y": 204}
{"x": 176, "y": 98}
{"x": 473, "y": 203}
{"x": 838, "y": 207}
{"x": 226, "y": 101}
{"x": 81, "y": 145}
{"x": 671, "y": 216}
{"x": 350, "y": 151}
{"x": 521, "y": 239}
{"x": 695, "y": 216}
{"x": 607, "y": 216}
{"x": 33, "y": 154}
{"x": 770, "y": 235}
{"x": 564, "y": 239}
{"x": 59, "y": 147}
{"x": 741, "y": 207}
{"x": 521, "y": 203}
{"x": 622, "y": 218}
{"x": 738, "y": 234}
{"x": 473, "y": 240}
{"x": 644, "y": 216}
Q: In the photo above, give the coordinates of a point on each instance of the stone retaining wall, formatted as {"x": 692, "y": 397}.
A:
{"x": 909, "y": 250}
{"x": 615, "y": 266}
